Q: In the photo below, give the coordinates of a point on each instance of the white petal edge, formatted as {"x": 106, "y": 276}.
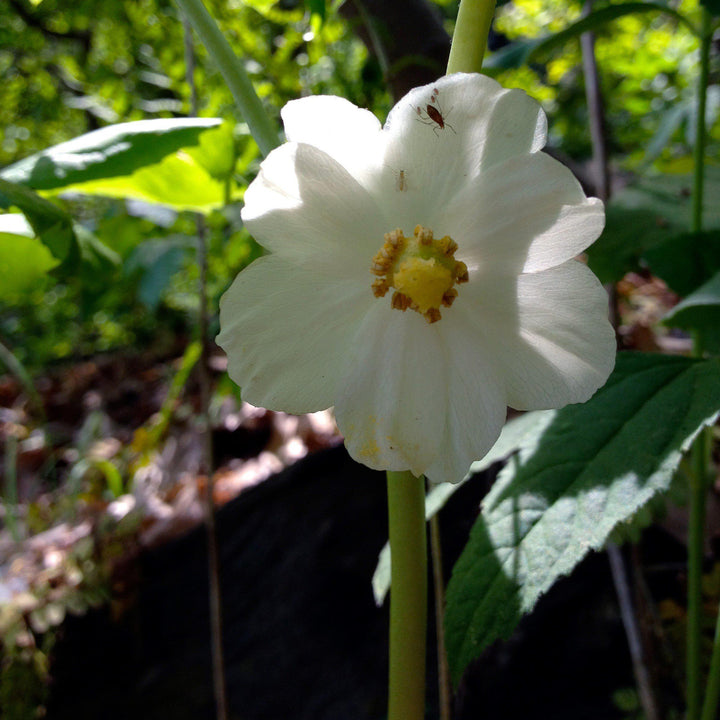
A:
{"x": 392, "y": 402}
{"x": 549, "y": 333}
{"x": 287, "y": 333}
{"x": 524, "y": 215}
{"x": 307, "y": 209}
{"x": 334, "y": 125}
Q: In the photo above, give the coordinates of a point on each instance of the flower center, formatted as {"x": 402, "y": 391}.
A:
{"x": 422, "y": 270}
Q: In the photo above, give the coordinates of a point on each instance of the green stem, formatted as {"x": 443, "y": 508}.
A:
{"x": 699, "y": 452}
{"x": 712, "y": 693}
{"x": 470, "y": 37}
{"x": 699, "y": 150}
{"x": 408, "y": 596}
{"x": 261, "y": 126}
{"x": 695, "y": 560}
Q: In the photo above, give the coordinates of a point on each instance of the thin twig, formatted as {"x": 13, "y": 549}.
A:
{"x": 215, "y": 597}
{"x": 601, "y": 172}
{"x": 444, "y": 694}
{"x": 14, "y": 366}
{"x": 377, "y": 44}
{"x": 632, "y": 632}
{"x": 11, "y": 490}
{"x": 596, "y": 113}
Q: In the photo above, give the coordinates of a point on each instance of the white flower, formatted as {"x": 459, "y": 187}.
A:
{"x": 420, "y": 277}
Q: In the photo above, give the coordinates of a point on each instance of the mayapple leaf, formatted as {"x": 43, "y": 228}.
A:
{"x": 114, "y": 151}
{"x": 177, "y": 181}
{"x": 572, "y": 483}
{"x": 699, "y": 313}
{"x": 215, "y": 151}
{"x": 24, "y": 260}
{"x": 50, "y": 223}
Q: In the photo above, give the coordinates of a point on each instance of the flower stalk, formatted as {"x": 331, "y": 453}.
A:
{"x": 408, "y": 596}
{"x": 699, "y": 452}
{"x": 251, "y": 108}
{"x": 469, "y": 40}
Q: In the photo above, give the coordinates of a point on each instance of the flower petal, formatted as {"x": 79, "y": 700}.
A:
{"x": 287, "y": 331}
{"x": 334, "y": 125}
{"x": 440, "y": 135}
{"x": 306, "y": 208}
{"x": 476, "y": 406}
{"x": 524, "y": 215}
{"x": 549, "y": 332}
{"x": 392, "y": 402}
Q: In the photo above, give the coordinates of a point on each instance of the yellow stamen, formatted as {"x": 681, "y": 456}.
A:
{"x": 422, "y": 270}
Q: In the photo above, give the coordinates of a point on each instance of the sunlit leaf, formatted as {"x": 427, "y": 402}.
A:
{"x": 24, "y": 260}
{"x": 177, "y": 181}
{"x": 215, "y": 151}
{"x": 50, "y": 223}
{"x": 114, "y": 151}
{"x": 591, "y": 467}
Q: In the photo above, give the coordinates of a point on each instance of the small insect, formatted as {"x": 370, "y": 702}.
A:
{"x": 401, "y": 179}
{"x": 433, "y": 114}
{"x": 401, "y": 183}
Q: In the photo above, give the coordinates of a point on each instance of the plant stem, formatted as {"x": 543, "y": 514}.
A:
{"x": 699, "y": 150}
{"x": 214, "y": 594}
{"x": 23, "y": 377}
{"x": 470, "y": 37}
{"x": 444, "y": 695}
{"x": 712, "y": 692}
{"x": 408, "y": 596}
{"x": 596, "y": 110}
{"x": 11, "y": 493}
{"x": 698, "y": 489}
{"x": 696, "y": 546}
{"x": 251, "y": 108}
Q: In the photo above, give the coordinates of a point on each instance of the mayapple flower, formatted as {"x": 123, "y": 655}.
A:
{"x": 420, "y": 276}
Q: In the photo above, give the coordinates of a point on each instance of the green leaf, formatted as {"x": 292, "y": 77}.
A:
{"x": 114, "y": 151}
{"x": 178, "y": 181}
{"x": 699, "y": 313}
{"x": 686, "y": 261}
{"x": 157, "y": 260}
{"x": 509, "y": 441}
{"x": 534, "y": 50}
{"x": 24, "y": 260}
{"x": 589, "y": 468}
{"x": 671, "y": 120}
{"x": 98, "y": 261}
{"x": 646, "y": 214}
{"x": 51, "y": 224}
{"x": 216, "y": 151}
